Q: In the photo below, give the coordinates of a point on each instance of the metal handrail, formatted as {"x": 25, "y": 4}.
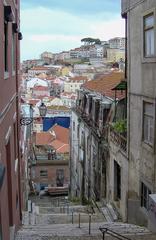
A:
{"x": 112, "y": 233}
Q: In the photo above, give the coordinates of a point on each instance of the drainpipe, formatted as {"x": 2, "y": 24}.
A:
{"x": 18, "y": 115}
{"x": 127, "y": 75}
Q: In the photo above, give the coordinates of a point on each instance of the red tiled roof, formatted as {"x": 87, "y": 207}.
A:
{"x": 50, "y": 78}
{"x": 105, "y": 84}
{"x": 40, "y": 68}
{"x": 62, "y": 134}
{"x": 33, "y": 101}
{"x": 63, "y": 149}
{"x": 40, "y": 88}
{"x": 60, "y": 147}
{"x": 44, "y": 138}
{"x": 78, "y": 78}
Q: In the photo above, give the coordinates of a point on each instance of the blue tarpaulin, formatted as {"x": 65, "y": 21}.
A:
{"x": 50, "y": 122}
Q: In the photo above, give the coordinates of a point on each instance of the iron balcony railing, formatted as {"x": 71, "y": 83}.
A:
{"x": 112, "y": 233}
{"x": 118, "y": 139}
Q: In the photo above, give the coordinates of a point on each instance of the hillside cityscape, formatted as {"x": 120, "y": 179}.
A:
{"x": 78, "y": 133}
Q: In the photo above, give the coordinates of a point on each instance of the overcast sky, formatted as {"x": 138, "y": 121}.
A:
{"x": 58, "y": 25}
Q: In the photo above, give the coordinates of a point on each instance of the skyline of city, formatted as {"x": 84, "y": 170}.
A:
{"x": 64, "y": 25}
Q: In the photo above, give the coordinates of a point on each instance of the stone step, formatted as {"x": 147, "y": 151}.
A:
{"x": 106, "y": 214}
{"x": 45, "y": 219}
{"x": 112, "y": 212}
{"x": 65, "y": 228}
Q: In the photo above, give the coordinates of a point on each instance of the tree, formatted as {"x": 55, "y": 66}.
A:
{"x": 91, "y": 41}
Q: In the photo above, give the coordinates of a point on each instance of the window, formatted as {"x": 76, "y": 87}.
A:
{"x": 5, "y": 46}
{"x": 149, "y": 35}
{"x": 148, "y": 122}
{"x": 15, "y": 141}
{"x": 144, "y": 195}
{"x": 60, "y": 177}
{"x": 73, "y": 126}
{"x": 13, "y": 50}
{"x": 43, "y": 173}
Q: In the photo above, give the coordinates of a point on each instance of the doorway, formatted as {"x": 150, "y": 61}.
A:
{"x": 117, "y": 181}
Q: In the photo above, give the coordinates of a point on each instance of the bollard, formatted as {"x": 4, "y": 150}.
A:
{"x": 103, "y": 235}
{"x": 72, "y": 217}
{"x": 29, "y": 217}
{"x": 79, "y": 220}
{"x": 89, "y": 224}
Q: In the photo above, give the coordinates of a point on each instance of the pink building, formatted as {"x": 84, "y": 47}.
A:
{"x": 10, "y": 192}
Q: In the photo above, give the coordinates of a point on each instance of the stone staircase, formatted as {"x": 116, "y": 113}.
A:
{"x": 72, "y": 231}
{"x": 50, "y": 222}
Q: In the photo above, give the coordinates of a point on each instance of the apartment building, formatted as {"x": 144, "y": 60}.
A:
{"x": 140, "y": 18}
{"x": 10, "y": 192}
{"x": 117, "y": 42}
{"x": 49, "y": 167}
{"x": 73, "y": 84}
{"x": 89, "y": 154}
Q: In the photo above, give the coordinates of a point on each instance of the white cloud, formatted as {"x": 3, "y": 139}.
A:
{"x": 109, "y": 29}
{"x": 52, "y": 37}
{"x": 46, "y": 29}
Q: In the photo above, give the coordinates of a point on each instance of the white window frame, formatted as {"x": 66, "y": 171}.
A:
{"x": 150, "y": 58}
{"x": 147, "y": 30}
{"x": 146, "y": 139}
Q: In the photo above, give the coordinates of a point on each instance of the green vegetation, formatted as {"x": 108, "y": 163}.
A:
{"x": 120, "y": 126}
{"x": 75, "y": 200}
{"x": 91, "y": 41}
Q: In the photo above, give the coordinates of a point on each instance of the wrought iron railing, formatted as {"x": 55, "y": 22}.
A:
{"x": 118, "y": 139}
{"x": 112, "y": 233}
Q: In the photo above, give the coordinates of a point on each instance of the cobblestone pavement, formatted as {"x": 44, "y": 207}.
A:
{"x": 58, "y": 225}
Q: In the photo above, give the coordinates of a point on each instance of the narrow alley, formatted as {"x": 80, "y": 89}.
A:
{"x": 55, "y": 218}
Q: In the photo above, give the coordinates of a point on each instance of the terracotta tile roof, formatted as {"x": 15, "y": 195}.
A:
{"x": 105, "y": 84}
{"x": 40, "y": 68}
{"x": 62, "y": 134}
{"x": 78, "y": 78}
{"x": 40, "y": 88}
{"x": 44, "y": 138}
{"x": 50, "y": 78}
{"x": 63, "y": 149}
{"x": 58, "y": 108}
{"x": 60, "y": 147}
{"x": 41, "y": 97}
{"x": 34, "y": 101}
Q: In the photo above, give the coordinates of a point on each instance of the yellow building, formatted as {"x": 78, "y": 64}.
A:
{"x": 65, "y": 71}
{"x": 115, "y": 55}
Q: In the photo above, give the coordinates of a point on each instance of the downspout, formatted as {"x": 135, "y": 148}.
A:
{"x": 127, "y": 102}
{"x": 17, "y": 111}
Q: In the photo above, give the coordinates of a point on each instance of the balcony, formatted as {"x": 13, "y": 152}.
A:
{"x": 118, "y": 138}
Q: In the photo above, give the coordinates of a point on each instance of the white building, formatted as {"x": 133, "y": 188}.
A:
{"x": 36, "y": 82}
{"x": 117, "y": 42}
{"x": 74, "y": 84}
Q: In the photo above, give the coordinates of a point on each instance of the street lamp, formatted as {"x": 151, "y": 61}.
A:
{"x": 28, "y": 120}
{"x": 42, "y": 110}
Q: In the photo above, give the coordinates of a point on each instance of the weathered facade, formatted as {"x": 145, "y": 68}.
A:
{"x": 89, "y": 165}
{"x": 140, "y": 17}
{"x": 10, "y": 193}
